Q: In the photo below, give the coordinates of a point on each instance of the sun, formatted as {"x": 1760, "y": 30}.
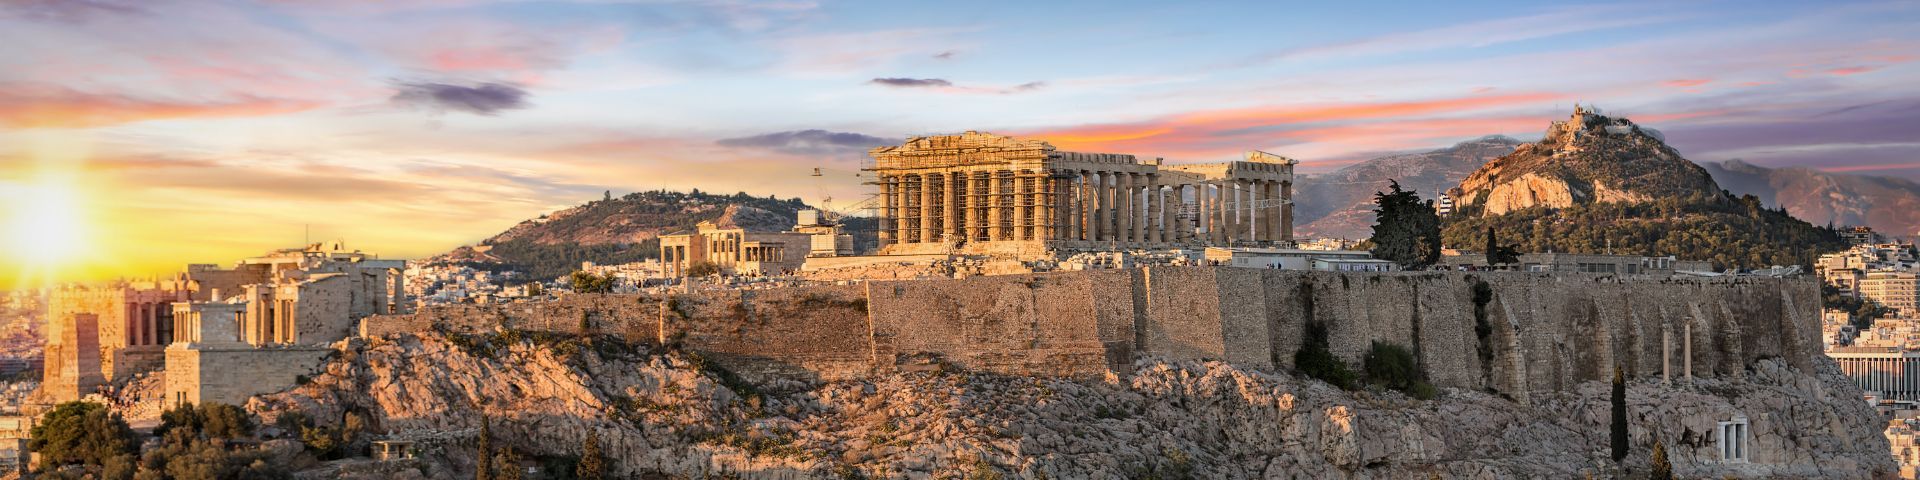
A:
{"x": 44, "y": 223}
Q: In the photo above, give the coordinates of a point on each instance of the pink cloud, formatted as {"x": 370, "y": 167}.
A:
{"x": 1852, "y": 70}
{"x": 1687, "y": 82}
{"x": 54, "y": 107}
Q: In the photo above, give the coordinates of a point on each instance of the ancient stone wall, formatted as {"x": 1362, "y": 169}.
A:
{"x": 232, "y": 375}
{"x": 1514, "y": 333}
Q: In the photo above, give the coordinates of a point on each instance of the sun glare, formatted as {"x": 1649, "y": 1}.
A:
{"x": 44, "y": 223}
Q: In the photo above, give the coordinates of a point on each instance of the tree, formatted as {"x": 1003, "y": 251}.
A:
{"x": 1407, "y": 230}
{"x": 1498, "y": 254}
{"x": 534, "y": 289}
{"x": 80, "y": 433}
{"x": 584, "y": 282}
{"x": 508, "y": 464}
{"x": 483, "y": 470}
{"x": 702, "y": 268}
{"x": 592, "y": 464}
{"x": 586, "y": 323}
{"x": 1619, "y": 400}
{"x": 1661, "y": 468}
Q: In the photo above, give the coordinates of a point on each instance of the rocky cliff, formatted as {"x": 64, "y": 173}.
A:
{"x": 1589, "y": 158}
{"x": 662, "y": 411}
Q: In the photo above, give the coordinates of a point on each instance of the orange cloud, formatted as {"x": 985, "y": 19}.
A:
{"x": 63, "y": 108}
{"x": 1686, "y": 82}
{"x": 1852, "y": 70}
{"x": 1223, "y": 132}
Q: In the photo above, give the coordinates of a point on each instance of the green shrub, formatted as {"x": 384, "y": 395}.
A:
{"x": 80, "y": 433}
{"x": 1314, "y": 359}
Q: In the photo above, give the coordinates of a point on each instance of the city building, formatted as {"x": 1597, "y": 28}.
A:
{"x": 1860, "y": 236}
{"x": 1898, "y": 291}
{"x": 1284, "y": 258}
{"x": 980, "y": 193}
{"x": 1584, "y": 263}
{"x": 1889, "y": 371}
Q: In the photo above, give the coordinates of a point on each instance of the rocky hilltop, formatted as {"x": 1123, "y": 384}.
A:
{"x": 670, "y": 413}
{"x": 1888, "y": 204}
{"x": 1599, "y": 184}
{"x": 1589, "y": 158}
{"x": 1340, "y": 204}
{"x": 617, "y": 230}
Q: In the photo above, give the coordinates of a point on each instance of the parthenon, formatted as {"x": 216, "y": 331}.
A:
{"x": 982, "y": 193}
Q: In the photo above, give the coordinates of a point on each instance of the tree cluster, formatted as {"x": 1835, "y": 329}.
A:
{"x": 1731, "y": 232}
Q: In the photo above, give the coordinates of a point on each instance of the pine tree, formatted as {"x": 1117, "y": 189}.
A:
{"x": 483, "y": 470}
{"x": 1619, "y": 414}
{"x": 592, "y": 464}
{"x": 1407, "y": 230}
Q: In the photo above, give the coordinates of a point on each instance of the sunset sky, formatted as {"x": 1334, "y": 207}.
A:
{"x": 170, "y": 132}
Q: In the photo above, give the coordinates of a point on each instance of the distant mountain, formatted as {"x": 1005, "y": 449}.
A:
{"x": 1599, "y": 184}
{"x": 1888, "y": 204}
{"x": 1340, "y": 204}
{"x": 618, "y": 230}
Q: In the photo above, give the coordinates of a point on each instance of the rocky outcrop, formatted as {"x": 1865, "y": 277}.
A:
{"x": 1589, "y": 158}
{"x": 661, "y": 411}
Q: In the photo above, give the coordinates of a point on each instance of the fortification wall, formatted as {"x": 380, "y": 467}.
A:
{"x": 232, "y": 375}
{"x": 1516, "y": 333}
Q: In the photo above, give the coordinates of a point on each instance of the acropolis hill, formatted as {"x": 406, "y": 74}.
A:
{"x": 1167, "y": 370}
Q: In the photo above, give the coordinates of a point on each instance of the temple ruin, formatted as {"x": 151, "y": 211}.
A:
{"x": 980, "y": 193}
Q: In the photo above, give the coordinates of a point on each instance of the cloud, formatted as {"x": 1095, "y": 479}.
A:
{"x": 1211, "y": 133}
{"x": 480, "y": 99}
{"x": 1479, "y": 34}
{"x": 1686, "y": 82}
{"x": 809, "y": 142}
{"x": 1858, "y": 69}
{"x": 947, "y": 86}
{"x": 946, "y": 55}
{"x": 30, "y": 106}
{"x": 67, "y": 11}
{"x": 912, "y": 82}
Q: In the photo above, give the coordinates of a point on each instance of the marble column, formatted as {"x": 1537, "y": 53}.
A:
{"x": 926, "y": 208}
{"x": 949, "y": 206}
{"x": 1286, "y": 212}
{"x": 1157, "y": 209}
{"x": 1136, "y": 203}
{"x": 1096, "y": 229}
{"x": 996, "y": 221}
{"x": 1123, "y": 207}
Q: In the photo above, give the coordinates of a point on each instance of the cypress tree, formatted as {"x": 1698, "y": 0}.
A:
{"x": 1661, "y": 469}
{"x": 591, "y": 462}
{"x": 1619, "y": 414}
{"x": 1407, "y": 231}
{"x": 483, "y": 470}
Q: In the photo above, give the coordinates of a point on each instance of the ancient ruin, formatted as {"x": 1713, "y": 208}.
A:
{"x": 220, "y": 334}
{"x": 982, "y": 193}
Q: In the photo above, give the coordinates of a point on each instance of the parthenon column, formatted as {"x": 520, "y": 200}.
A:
{"x": 1135, "y": 220}
{"x": 1271, "y": 219}
{"x": 1076, "y": 205}
{"x": 1156, "y": 210}
{"x": 1286, "y": 212}
{"x": 899, "y": 221}
{"x": 884, "y": 228}
{"x": 1242, "y": 204}
{"x": 1097, "y": 204}
{"x": 926, "y": 208}
{"x": 995, "y": 220}
{"x": 950, "y": 206}
{"x": 1122, "y": 206}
